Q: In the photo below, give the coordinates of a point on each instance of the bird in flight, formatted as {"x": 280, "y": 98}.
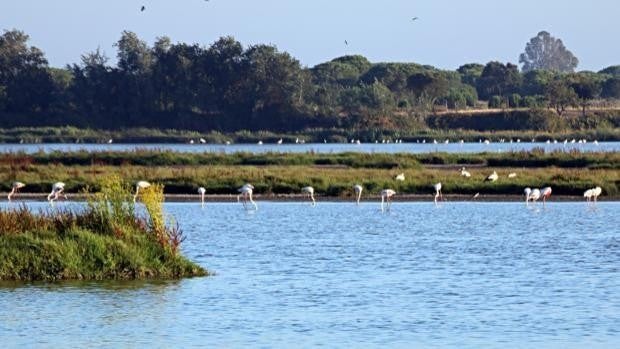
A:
{"x": 414, "y": 19}
{"x": 346, "y": 42}
{"x": 142, "y": 8}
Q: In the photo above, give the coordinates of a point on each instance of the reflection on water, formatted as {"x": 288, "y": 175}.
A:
{"x": 462, "y": 275}
{"x": 320, "y": 147}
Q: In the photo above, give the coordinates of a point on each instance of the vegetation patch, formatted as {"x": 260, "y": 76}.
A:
{"x": 106, "y": 240}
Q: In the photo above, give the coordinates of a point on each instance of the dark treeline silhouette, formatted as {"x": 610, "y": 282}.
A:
{"x": 226, "y": 87}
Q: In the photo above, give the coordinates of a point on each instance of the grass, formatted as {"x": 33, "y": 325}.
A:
{"x": 106, "y": 240}
{"x": 330, "y": 174}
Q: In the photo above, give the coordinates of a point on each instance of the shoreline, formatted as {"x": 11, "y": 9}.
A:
{"x": 230, "y": 198}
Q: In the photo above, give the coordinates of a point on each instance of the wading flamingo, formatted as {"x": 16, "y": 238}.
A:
{"x": 438, "y": 194}
{"x": 386, "y": 194}
{"x": 15, "y": 187}
{"x": 358, "y": 192}
{"x": 310, "y": 191}
{"x": 202, "y": 192}
{"x": 140, "y": 185}
{"x": 246, "y": 193}
{"x": 528, "y": 194}
{"x": 545, "y": 193}
{"x": 535, "y": 195}
{"x": 57, "y": 188}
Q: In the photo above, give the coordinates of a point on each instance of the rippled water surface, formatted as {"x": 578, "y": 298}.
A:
{"x": 320, "y": 147}
{"x": 462, "y": 275}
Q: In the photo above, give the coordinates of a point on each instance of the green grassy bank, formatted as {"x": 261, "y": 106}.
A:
{"x": 107, "y": 240}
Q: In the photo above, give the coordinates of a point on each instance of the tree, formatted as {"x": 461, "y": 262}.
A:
{"x": 547, "y": 53}
{"x": 470, "y": 73}
{"x": 611, "y": 88}
{"x": 613, "y": 70}
{"x": 560, "y": 95}
{"x": 498, "y": 79}
{"x": 428, "y": 87}
{"x": 587, "y": 86}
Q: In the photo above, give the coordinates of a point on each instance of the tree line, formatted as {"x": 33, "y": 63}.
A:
{"x": 228, "y": 87}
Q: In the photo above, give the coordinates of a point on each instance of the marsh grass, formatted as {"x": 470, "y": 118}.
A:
{"x": 104, "y": 240}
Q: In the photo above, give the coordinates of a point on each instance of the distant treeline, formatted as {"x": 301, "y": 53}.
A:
{"x": 226, "y": 87}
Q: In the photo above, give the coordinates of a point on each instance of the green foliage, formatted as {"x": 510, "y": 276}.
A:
{"x": 103, "y": 241}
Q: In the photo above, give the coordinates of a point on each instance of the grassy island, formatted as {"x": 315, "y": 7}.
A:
{"x": 109, "y": 239}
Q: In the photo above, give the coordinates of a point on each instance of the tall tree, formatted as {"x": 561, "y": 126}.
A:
{"x": 498, "y": 79}
{"x": 547, "y": 53}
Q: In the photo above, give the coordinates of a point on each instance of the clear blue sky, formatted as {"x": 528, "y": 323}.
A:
{"x": 447, "y": 34}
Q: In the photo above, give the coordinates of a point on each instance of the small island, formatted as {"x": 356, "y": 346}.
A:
{"x": 108, "y": 239}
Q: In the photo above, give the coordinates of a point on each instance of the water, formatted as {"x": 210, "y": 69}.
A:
{"x": 463, "y": 275}
{"x": 318, "y": 147}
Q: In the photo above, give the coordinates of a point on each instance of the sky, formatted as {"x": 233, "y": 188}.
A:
{"x": 447, "y": 33}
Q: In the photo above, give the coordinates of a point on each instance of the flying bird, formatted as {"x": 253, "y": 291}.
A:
{"x": 346, "y": 42}
{"x": 142, "y": 8}
{"x": 414, "y": 19}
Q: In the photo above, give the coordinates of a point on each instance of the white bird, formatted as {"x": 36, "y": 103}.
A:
{"x": 434, "y": 141}
{"x": 203, "y": 141}
{"x": 465, "y": 173}
{"x": 310, "y": 191}
{"x": 592, "y": 194}
{"x": 296, "y": 140}
{"x": 447, "y": 141}
{"x": 487, "y": 142}
{"x": 260, "y": 143}
{"x": 528, "y": 194}
{"x": 518, "y": 140}
{"x": 437, "y": 187}
{"x": 512, "y": 175}
{"x": 140, "y": 185}
{"x": 246, "y": 192}
{"x": 15, "y": 187}
{"x": 545, "y": 193}
{"x": 492, "y": 177}
{"x": 535, "y": 195}
{"x": 386, "y": 194}
{"x": 358, "y": 192}
{"x": 475, "y": 196}
{"x": 191, "y": 141}
{"x": 110, "y": 141}
{"x": 202, "y": 192}
{"x": 280, "y": 141}
{"x": 400, "y": 177}
{"x": 57, "y": 188}
{"x": 227, "y": 142}
{"x": 595, "y": 142}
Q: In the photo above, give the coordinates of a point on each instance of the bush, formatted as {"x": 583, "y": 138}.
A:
{"x": 495, "y": 102}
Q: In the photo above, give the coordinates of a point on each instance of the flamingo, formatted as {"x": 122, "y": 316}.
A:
{"x": 246, "y": 192}
{"x": 438, "y": 194}
{"x": 310, "y": 191}
{"x": 57, "y": 188}
{"x": 140, "y": 185}
{"x": 465, "y": 173}
{"x": 386, "y": 194}
{"x": 535, "y": 195}
{"x": 358, "y": 192}
{"x": 202, "y": 192}
{"x": 15, "y": 187}
{"x": 592, "y": 194}
{"x": 528, "y": 194}
{"x": 492, "y": 177}
{"x": 400, "y": 177}
{"x": 545, "y": 193}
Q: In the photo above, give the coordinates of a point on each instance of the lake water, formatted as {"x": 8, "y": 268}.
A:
{"x": 461, "y": 275}
{"x": 319, "y": 147}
